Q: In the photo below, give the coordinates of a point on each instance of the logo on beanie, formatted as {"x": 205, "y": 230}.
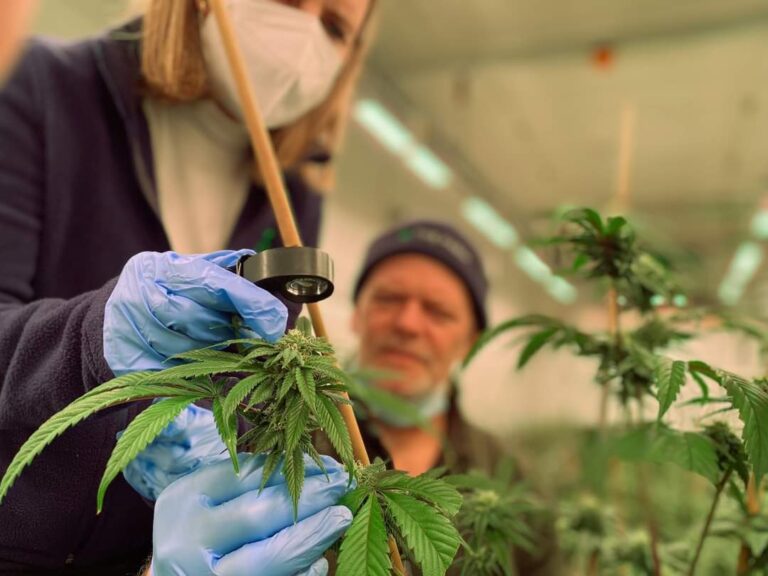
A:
{"x": 438, "y": 238}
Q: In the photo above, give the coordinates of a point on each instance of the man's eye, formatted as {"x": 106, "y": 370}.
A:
{"x": 440, "y": 313}
{"x": 387, "y": 298}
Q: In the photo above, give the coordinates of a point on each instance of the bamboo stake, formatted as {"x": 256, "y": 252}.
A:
{"x": 621, "y": 204}
{"x": 278, "y": 199}
{"x": 626, "y": 148}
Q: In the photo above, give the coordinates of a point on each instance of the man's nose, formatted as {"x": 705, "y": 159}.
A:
{"x": 410, "y": 317}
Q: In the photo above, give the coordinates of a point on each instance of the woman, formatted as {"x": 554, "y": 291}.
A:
{"x": 111, "y": 148}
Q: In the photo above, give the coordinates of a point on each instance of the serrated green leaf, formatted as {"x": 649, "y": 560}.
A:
{"x": 260, "y": 351}
{"x": 579, "y": 262}
{"x": 226, "y": 424}
{"x": 261, "y": 394}
{"x": 493, "y": 333}
{"x": 332, "y": 423}
{"x": 266, "y": 440}
{"x": 689, "y": 450}
{"x": 326, "y": 370}
{"x": 288, "y": 357}
{"x": 208, "y": 354}
{"x": 307, "y": 447}
{"x": 702, "y": 386}
{"x": 240, "y": 390}
{"x": 704, "y": 369}
{"x": 296, "y": 417}
{"x": 751, "y": 402}
{"x": 536, "y": 342}
{"x": 123, "y": 381}
{"x": 364, "y": 547}
{"x": 614, "y": 225}
{"x": 437, "y": 492}
{"x": 293, "y": 470}
{"x": 289, "y": 381}
{"x": 306, "y": 386}
{"x": 355, "y": 498}
{"x": 138, "y": 435}
{"x": 430, "y": 536}
{"x": 270, "y": 465}
{"x": 57, "y": 424}
{"x": 208, "y": 368}
{"x": 587, "y": 218}
{"x": 670, "y": 377}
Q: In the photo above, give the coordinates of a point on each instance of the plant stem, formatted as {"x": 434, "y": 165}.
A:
{"x": 615, "y": 331}
{"x": 753, "y": 509}
{"x": 708, "y": 522}
{"x": 593, "y": 563}
{"x": 650, "y": 518}
{"x": 645, "y": 499}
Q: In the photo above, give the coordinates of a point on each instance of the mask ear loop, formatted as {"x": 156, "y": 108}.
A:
{"x": 278, "y": 199}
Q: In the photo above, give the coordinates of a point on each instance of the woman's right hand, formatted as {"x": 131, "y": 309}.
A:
{"x": 166, "y": 303}
{"x": 214, "y": 521}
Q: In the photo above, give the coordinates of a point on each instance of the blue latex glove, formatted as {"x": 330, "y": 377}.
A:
{"x": 187, "y": 442}
{"x": 166, "y": 303}
{"x": 213, "y": 521}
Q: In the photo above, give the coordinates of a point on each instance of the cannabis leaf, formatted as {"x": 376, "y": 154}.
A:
{"x": 286, "y": 390}
{"x": 364, "y": 548}
{"x": 670, "y": 377}
{"x": 430, "y": 537}
{"x": 140, "y": 432}
{"x": 129, "y": 388}
{"x": 692, "y": 451}
{"x": 750, "y": 400}
{"x": 496, "y": 514}
{"x": 417, "y": 511}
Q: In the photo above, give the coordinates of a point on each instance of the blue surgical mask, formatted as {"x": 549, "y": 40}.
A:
{"x": 427, "y": 406}
{"x": 423, "y": 407}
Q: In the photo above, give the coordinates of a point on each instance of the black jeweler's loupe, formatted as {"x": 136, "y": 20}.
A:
{"x": 300, "y": 274}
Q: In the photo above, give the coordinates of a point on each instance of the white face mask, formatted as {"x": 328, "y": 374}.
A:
{"x": 291, "y": 61}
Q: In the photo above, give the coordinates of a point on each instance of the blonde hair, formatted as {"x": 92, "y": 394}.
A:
{"x": 173, "y": 69}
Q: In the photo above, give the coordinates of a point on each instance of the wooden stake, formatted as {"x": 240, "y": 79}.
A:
{"x": 626, "y": 148}
{"x": 278, "y": 198}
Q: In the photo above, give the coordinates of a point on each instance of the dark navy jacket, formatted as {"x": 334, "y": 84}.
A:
{"x": 77, "y": 200}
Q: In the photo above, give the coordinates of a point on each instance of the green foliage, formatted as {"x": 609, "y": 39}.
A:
{"x": 632, "y": 367}
{"x": 729, "y": 450}
{"x": 670, "y": 377}
{"x": 417, "y": 511}
{"x": 364, "y": 549}
{"x": 691, "y": 451}
{"x": 130, "y": 388}
{"x": 750, "y": 400}
{"x": 292, "y": 389}
{"x": 148, "y": 424}
{"x": 496, "y": 516}
{"x": 608, "y": 249}
{"x": 285, "y": 391}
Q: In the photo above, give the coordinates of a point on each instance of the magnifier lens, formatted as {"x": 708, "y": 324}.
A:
{"x": 306, "y": 286}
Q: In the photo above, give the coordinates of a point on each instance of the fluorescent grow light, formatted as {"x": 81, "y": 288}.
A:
{"x": 396, "y": 138}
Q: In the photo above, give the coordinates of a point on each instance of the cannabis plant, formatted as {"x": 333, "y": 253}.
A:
{"x": 633, "y": 367}
{"x": 496, "y": 515}
{"x": 416, "y": 510}
{"x": 283, "y": 392}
